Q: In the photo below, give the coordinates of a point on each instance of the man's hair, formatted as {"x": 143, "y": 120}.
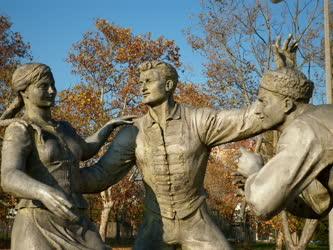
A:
{"x": 169, "y": 72}
{"x": 288, "y": 82}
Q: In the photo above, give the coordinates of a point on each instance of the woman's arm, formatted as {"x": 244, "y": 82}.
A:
{"x": 93, "y": 143}
{"x": 113, "y": 166}
{"x": 17, "y": 146}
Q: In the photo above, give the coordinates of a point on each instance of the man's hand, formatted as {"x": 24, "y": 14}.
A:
{"x": 239, "y": 181}
{"x": 249, "y": 163}
{"x": 285, "y": 56}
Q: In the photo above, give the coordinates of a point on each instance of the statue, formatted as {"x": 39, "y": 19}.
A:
{"x": 170, "y": 145}
{"x": 299, "y": 177}
{"x": 40, "y": 165}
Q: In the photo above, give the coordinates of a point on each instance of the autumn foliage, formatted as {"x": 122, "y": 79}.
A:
{"x": 13, "y": 51}
{"x": 108, "y": 59}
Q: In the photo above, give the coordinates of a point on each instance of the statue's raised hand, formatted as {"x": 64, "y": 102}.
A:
{"x": 285, "y": 56}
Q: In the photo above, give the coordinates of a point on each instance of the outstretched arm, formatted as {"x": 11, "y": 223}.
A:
{"x": 92, "y": 144}
{"x": 219, "y": 127}
{"x": 16, "y": 148}
{"x": 250, "y": 164}
{"x": 296, "y": 164}
{"x": 113, "y": 166}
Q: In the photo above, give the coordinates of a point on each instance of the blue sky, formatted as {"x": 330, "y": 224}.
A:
{"x": 51, "y": 27}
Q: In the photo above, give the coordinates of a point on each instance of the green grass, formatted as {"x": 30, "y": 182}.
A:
{"x": 267, "y": 246}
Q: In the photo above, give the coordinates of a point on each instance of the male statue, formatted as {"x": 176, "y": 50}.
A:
{"x": 299, "y": 177}
{"x": 171, "y": 145}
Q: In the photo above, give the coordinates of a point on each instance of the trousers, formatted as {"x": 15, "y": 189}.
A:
{"x": 194, "y": 232}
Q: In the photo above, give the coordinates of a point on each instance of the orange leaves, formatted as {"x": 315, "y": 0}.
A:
{"x": 12, "y": 50}
{"x": 82, "y": 107}
{"x": 108, "y": 59}
{"x": 113, "y": 33}
{"x": 192, "y": 95}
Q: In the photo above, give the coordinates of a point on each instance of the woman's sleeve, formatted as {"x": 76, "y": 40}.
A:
{"x": 16, "y": 148}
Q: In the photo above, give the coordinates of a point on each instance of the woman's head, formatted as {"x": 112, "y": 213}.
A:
{"x": 34, "y": 82}
{"x": 31, "y": 82}
{"x": 30, "y": 73}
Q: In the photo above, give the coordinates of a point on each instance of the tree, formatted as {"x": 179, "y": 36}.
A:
{"x": 235, "y": 39}
{"x": 108, "y": 59}
{"x": 13, "y": 51}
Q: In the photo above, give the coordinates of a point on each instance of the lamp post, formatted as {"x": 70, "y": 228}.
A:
{"x": 328, "y": 69}
{"x": 328, "y": 51}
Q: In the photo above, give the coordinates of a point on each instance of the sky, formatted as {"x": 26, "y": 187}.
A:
{"x": 51, "y": 28}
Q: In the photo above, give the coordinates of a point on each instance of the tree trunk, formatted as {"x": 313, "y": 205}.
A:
{"x": 107, "y": 205}
{"x": 279, "y": 241}
{"x": 307, "y": 233}
{"x": 104, "y": 222}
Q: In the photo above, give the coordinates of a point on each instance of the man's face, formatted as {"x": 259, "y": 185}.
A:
{"x": 270, "y": 108}
{"x": 153, "y": 87}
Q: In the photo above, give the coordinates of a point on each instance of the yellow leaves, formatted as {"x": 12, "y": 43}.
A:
{"x": 82, "y": 107}
{"x": 110, "y": 56}
{"x": 191, "y": 94}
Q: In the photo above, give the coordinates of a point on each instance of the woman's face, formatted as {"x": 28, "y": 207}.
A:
{"x": 42, "y": 93}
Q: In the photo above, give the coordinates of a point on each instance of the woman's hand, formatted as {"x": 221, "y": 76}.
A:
{"x": 57, "y": 203}
{"x": 94, "y": 142}
{"x": 123, "y": 120}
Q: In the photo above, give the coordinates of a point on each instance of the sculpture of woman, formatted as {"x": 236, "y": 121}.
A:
{"x": 40, "y": 165}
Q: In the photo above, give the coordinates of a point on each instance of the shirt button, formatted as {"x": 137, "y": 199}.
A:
{"x": 169, "y": 182}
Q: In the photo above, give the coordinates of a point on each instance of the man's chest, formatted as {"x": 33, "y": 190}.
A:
{"x": 163, "y": 150}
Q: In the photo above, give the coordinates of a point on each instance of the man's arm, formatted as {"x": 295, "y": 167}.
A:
{"x": 288, "y": 173}
{"x": 219, "y": 127}
{"x": 113, "y": 166}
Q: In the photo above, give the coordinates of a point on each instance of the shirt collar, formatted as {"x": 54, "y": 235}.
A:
{"x": 173, "y": 115}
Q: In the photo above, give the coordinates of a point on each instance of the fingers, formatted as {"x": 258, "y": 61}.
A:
{"x": 294, "y": 46}
{"x": 243, "y": 150}
{"x": 127, "y": 122}
{"x": 286, "y": 43}
{"x": 278, "y": 43}
{"x": 240, "y": 183}
{"x": 63, "y": 212}
{"x": 128, "y": 117}
{"x": 123, "y": 120}
{"x": 69, "y": 214}
{"x": 63, "y": 201}
{"x": 235, "y": 174}
{"x": 63, "y": 206}
{"x": 240, "y": 193}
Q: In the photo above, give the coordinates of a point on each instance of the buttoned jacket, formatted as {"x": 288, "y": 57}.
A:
{"x": 173, "y": 160}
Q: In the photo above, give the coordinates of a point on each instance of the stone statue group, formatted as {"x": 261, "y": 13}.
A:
{"x": 170, "y": 145}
